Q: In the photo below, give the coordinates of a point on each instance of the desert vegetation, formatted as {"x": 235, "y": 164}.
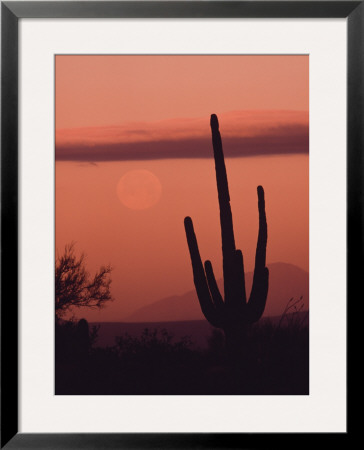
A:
{"x": 75, "y": 287}
{"x": 275, "y": 361}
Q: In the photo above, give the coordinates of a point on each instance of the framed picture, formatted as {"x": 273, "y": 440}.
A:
{"x": 181, "y": 221}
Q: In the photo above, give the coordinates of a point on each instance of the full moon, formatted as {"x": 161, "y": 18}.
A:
{"x": 139, "y": 189}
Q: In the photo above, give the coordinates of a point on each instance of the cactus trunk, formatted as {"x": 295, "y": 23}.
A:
{"x": 233, "y": 313}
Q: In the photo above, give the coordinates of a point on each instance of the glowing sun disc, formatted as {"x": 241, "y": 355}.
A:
{"x": 139, "y": 189}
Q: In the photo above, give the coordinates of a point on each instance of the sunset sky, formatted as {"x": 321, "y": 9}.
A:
{"x": 151, "y": 114}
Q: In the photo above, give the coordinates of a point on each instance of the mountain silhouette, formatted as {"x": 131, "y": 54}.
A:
{"x": 286, "y": 281}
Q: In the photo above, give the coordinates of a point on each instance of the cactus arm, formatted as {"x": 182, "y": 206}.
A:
{"x": 263, "y": 233}
{"x": 199, "y": 277}
{"x": 214, "y": 289}
{"x": 258, "y": 295}
{"x": 226, "y": 220}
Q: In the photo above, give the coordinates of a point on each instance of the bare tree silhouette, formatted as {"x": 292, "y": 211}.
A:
{"x": 233, "y": 312}
{"x": 75, "y": 288}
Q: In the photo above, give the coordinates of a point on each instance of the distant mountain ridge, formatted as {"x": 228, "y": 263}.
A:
{"x": 285, "y": 281}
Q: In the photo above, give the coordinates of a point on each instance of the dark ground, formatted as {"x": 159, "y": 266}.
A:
{"x": 275, "y": 361}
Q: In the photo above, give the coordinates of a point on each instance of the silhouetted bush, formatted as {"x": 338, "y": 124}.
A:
{"x": 153, "y": 345}
{"x": 75, "y": 288}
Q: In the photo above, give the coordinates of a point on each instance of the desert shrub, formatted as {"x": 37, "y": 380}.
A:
{"x": 152, "y": 344}
{"x": 75, "y": 287}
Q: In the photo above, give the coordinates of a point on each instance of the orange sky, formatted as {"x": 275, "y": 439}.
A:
{"x": 113, "y": 90}
{"x": 118, "y": 113}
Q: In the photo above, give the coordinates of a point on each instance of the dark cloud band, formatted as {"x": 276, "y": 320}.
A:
{"x": 279, "y": 141}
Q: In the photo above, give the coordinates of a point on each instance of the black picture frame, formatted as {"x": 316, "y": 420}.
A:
{"x": 11, "y": 12}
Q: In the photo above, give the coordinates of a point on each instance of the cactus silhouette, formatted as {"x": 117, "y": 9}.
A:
{"x": 233, "y": 313}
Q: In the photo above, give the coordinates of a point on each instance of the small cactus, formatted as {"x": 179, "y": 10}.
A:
{"x": 233, "y": 312}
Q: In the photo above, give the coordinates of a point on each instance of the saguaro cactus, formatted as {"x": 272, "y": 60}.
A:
{"x": 233, "y": 312}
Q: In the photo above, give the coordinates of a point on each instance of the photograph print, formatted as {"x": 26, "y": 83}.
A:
{"x": 182, "y": 225}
